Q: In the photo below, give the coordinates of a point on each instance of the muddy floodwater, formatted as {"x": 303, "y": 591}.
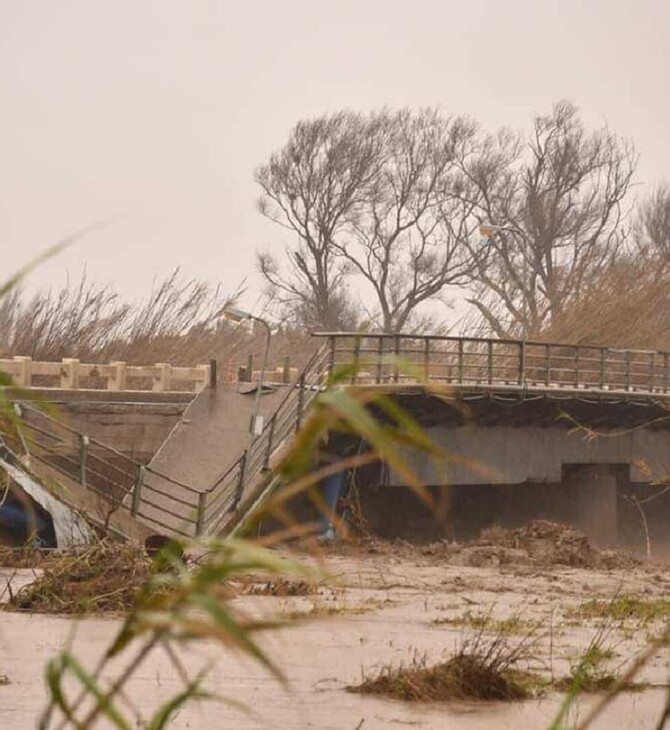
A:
{"x": 382, "y": 606}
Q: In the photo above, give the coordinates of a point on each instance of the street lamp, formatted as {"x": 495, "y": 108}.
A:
{"x": 489, "y": 230}
{"x": 237, "y": 315}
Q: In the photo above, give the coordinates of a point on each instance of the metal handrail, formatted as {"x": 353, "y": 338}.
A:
{"x": 494, "y": 362}
{"x": 457, "y": 338}
{"x": 120, "y": 483}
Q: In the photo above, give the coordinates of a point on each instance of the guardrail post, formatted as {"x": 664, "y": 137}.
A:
{"x": 83, "y": 452}
{"x": 301, "y": 401}
{"x": 489, "y": 360}
{"x": 241, "y": 478}
{"x": 576, "y": 380}
{"x": 212, "y": 374}
{"x": 665, "y": 372}
{"x": 396, "y": 350}
{"x": 460, "y": 368}
{"x": 271, "y": 435}
{"x": 522, "y": 362}
{"x": 547, "y": 364}
{"x": 24, "y": 376}
{"x": 69, "y": 373}
{"x": 137, "y": 492}
{"x": 652, "y": 374}
{"x": 200, "y": 517}
{"x": 286, "y": 370}
{"x": 331, "y": 355}
{"x": 426, "y": 360}
{"x": 117, "y": 381}
{"x": 603, "y": 351}
{"x": 627, "y": 371}
{"x": 357, "y": 356}
{"x": 380, "y": 358}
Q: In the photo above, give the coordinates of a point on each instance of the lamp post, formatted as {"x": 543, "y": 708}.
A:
{"x": 239, "y": 316}
{"x": 488, "y": 230}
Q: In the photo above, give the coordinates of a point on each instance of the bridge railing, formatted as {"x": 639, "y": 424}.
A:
{"x": 121, "y": 482}
{"x": 383, "y": 359}
{"x": 70, "y": 374}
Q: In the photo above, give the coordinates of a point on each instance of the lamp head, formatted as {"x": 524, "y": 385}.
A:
{"x": 235, "y": 315}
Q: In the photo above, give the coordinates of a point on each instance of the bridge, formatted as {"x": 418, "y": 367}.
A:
{"x": 512, "y": 398}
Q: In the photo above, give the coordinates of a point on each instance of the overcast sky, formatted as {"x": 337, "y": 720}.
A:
{"x": 154, "y": 113}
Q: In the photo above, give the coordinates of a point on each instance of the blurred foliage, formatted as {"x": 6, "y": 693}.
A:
{"x": 185, "y": 602}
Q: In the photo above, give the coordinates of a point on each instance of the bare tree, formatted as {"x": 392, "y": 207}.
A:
{"x": 312, "y": 187}
{"x": 373, "y": 199}
{"x": 555, "y": 200}
{"x": 652, "y": 229}
{"x": 405, "y": 239}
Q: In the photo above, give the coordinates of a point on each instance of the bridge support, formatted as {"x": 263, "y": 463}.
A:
{"x": 592, "y": 490}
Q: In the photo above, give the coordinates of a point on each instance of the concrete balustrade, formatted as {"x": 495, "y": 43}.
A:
{"x": 276, "y": 375}
{"x": 117, "y": 376}
{"x": 70, "y": 373}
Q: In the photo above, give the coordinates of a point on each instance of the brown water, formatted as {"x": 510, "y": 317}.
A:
{"x": 385, "y": 608}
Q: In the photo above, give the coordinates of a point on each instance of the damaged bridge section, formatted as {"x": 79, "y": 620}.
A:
{"x": 528, "y": 430}
{"x": 579, "y": 458}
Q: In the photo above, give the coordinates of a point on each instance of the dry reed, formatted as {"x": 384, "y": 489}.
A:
{"x": 179, "y": 322}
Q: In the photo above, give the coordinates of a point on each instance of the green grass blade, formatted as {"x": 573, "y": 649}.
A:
{"x": 165, "y": 713}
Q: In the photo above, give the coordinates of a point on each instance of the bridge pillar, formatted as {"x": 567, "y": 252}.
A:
{"x": 592, "y": 490}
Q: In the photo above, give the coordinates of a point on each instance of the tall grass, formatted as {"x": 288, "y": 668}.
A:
{"x": 178, "y": 322}
{"x": 627, "y": 307}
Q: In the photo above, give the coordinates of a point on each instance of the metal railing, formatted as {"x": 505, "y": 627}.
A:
{"x": 120, "y": 481}
{"x": 518, "y": 364}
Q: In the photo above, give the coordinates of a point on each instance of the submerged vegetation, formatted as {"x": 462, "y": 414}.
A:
{"x": 623, "y": 608}
{"x": 97, "y": 579}
{"x": 480, "y": 670}
{"x": 485, "y": 621}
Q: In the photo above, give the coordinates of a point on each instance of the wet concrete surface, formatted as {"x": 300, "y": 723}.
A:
{"x": 378, "y": 609}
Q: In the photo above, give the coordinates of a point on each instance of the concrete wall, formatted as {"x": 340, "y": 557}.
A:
{"x": 134, "y": 423}
{"x": 514, "y": 455}
{"x": 511, "y": 474}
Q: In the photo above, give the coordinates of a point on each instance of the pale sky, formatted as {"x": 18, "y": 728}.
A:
{"x": 155, "y": 113}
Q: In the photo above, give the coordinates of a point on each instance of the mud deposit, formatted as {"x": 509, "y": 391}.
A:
{"x": 386, "y": 604}
{"x": 540, "y": 543}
